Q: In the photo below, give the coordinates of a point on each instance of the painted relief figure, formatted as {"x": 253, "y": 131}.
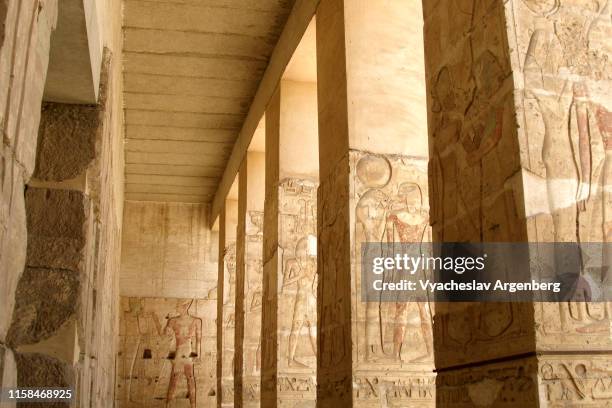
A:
{"x": 407, "y": 220}
{"x": 187, "y": 333}
{"x": 302, "y": 270}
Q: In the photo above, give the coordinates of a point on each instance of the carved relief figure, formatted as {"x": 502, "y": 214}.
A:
{"x": 302, "y": 270}
{"x": 186, "y": 330}
{"x": 145, "y": 365}
{"x": 297, "y": 303}
{"x": 407, "y": 219}
{"x": 558, "y": 60}
{"x": 169, "y": 364}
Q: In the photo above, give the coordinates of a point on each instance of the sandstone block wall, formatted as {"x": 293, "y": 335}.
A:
{"x": 167, "y": 341}
{"x": 24, "y": 56}
{"x": 59, "y": 235}
{"x": 167, "y": 251}
{"x": 65, "y": 311}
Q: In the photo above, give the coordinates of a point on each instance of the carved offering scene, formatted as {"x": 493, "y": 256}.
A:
{"x": 393, "y": 340}
{"x": 166, "y": 353}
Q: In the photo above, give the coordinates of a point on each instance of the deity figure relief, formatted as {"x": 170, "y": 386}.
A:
{"x": 302, "y": 270}
{"x": 370, "y": 214}
{"x": 560, "y": 65}
{"x": 558, "y": 51}
{"x": 144, "y": 366}
{"x": 187, "y": 333}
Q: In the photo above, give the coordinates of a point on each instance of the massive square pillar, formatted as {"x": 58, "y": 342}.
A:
{"x": 228, "y": 299}
{"x": 220, "y": 304}
{"x": 249, "y": 280}
{"x": 373, "y": 188}
{"x": 289, "y": 292}
{"x": 519, "y": 130}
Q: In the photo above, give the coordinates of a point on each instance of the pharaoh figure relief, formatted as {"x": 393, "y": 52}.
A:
{"x": 302, "y": 270}
{"x": 297, "y": 302}
{"x": 567, "y": 97}
{"x": 391, "y": 207}
{"x": 165, "y": 364}
{"x": 187, "y": 333}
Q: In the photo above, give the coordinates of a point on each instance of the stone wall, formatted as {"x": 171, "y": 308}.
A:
{"x": 24, "y": 56}
{"x": 167, "y": 251}
{"x": 168, "y": 306}
{"x": 65, "y": 310}
{"x": 59, "y": 236}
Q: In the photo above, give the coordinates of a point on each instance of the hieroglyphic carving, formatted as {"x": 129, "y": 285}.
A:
{"x": 393, "y": 340}
{"x": 297, "y": 291}
{"x": 386, "y": 390}
{"x": 572, "y": 380}
{"x": 167, "y": 353}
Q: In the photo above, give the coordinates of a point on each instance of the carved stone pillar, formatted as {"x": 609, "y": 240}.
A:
{"x": 519, "y": 130}
{"x": 373, "y": 188}
{"x": 239, "y": 291}
{"x": 229, "y": 299}
{"x": 220, "y": 305}
{"x": 289, "y": 292}
{"x": 253, "y": 276}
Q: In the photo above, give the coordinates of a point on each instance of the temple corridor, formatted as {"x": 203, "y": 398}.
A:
{"x": 187, "y": 188}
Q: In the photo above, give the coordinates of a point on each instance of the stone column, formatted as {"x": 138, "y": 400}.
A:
{"x": 229, "y": 299}
{"x": 220, "y": 305}
{"x": 253, "y": 276}
{"x": 289, "y": 291}
{"x": 240, "y": 276}
{"x": 373, "y": 188}
{"x": 519, "y": 130}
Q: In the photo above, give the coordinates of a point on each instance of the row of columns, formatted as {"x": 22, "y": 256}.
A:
{"x": 349, "y": 160}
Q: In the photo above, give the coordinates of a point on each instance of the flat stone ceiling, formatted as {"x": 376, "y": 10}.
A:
{"x": 191, "y": 69}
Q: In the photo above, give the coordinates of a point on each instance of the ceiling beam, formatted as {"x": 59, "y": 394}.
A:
{"x": 302, "y": 13}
